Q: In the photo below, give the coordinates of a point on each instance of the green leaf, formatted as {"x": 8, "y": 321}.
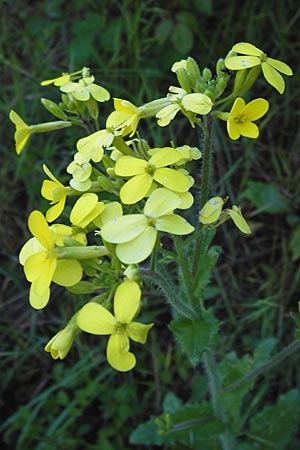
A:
{"x": 276, "y": 425}
{"x": 163, "y": 30}
{"x": 171, "y": 403}
{"x": 197, "y": 420}
{"x": 266, "y": 197}
{"x": 195, "y": 336}
{"x": 182, "y": 38}
{"x": 146, "y": 434}
{"x": 232, "y": 369}
{"x": 204, "y": 6}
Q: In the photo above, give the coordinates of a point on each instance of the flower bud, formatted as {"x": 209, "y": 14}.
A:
{"x": 59, "y": 346}
{"x": 54, "y": 109}
{"x": 206, "y": 74}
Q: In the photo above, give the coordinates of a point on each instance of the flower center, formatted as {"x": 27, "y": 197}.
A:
{"x": 263, "y": 57}
{"x": 150, "y": 169}
{"x": 240, "y": 119}
{"x": 120, "y": 328}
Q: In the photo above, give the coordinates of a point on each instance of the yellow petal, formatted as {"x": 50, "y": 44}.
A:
{"x": 39, "y": 228}
{"x": 16, "y": 119}
{"x": 256, "y": 109}
{"x": 30, "y": 247}
{"x": 166, "y": 114}
{"x": 136, "y": 188}
{"x": 92, "y": 145}
{"x": 161, "y": 202}
{"x": 127, "y": 301}
{"x": 211, "y": 211}
{"x": 21, "y": 137}
{"x": 240, "y": 222}
{"x": 34, "y": 265}
{"x": 248, "y": 129}
{"x": 233, "y": 129}
{"x": 50, "y": 175}
{"x": 85, "y": 210}
{"x": 43, "y": 282}
{"x": 99, "y": 93}
{"x": 197, "y": 103}
{"x": 95, "y": 319}
{"x": 68, "y": 272}
{"x": 118, "y": 354}
{"x": 138, "y": 332}
{"x": 280, "y": 66}
{"x": 174, "y": 224}
{"x": 138, "y": 249}
{"x": 172, "y": 179}
{"x": 237, "y": 107}
{"x": 55, "y": 211}
{"x": 124, "y": 228}
{"x": 129, "y": 166}
{"x": 273, "y": 77}
{"x": 247, "y": 49}
{"x": 241, "y": 62}
{"x": 165, "y": 156}
{"x": 38, "y": 301}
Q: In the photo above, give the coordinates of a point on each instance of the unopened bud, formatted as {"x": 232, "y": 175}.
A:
{"x": 53, "y": 108}
{"x": 206, "y": 74}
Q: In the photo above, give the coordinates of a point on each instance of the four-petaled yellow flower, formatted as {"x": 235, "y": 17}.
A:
{"x": 180, "y": 100}
{"x": 95, "y": 319}
{"x": 125, "y": 118}
{"x": 145, "y": 173}
{"x": 56, "y": 192}
{"x": 252, "y": 56}
{"x": 84, "y": 89}
{"x": 241, "y": 117}
{"x": 41, "y": 265}
{"x": 24, "y": 131}
{"x": 136, "y": 234}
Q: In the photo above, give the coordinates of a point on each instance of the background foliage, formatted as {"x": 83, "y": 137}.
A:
{"x": 130, "y": 47}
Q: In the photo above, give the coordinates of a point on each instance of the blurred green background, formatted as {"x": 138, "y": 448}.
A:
{"x": 130, "y": 46}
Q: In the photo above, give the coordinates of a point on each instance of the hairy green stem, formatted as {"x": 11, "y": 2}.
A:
{"x": 215, "y": 388}
{"x": 169, "y": 291}
{"x": 265, "y": 367}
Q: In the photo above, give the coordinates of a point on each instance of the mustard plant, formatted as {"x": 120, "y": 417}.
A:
{"x": 127, "y": 200}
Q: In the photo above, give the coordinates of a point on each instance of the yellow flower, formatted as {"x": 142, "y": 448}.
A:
{"x": 41, "y": 265}
{"x": 253, "y": 56}
{"x": 86, "y": 210}
{"x": 81, "y": 170}
{"x": 95, "y": 319}
{"x": 212, "y": 215}
{"x": 24, "y": 131}
{"x": 59, "y": 346}
{"x": 211, "y": 211}
{"x": 84, "y": 89}
{"x": 126, "y": 117}
{"x": 136, "y": 234}
{"x": 241, "y": 117}
{"x": 180, "y": 100}
{"x": 56, "y": 192}
{"x": 58, "y": 81}
{"x": 145, "y": 173}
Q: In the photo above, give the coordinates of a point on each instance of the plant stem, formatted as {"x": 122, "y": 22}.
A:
{"x": 215, "y": 388}
{"x": 169, "y": 291}
{"x": 205, "y": 180}
{"x": 260, "y": 370}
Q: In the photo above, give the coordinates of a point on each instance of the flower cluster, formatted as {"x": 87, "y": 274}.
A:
{"x": 126, "y": 195}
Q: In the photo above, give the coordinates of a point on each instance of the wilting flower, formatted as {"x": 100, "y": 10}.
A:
{"x": 252, "y": 56}
{"x": 94, "y": 318}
